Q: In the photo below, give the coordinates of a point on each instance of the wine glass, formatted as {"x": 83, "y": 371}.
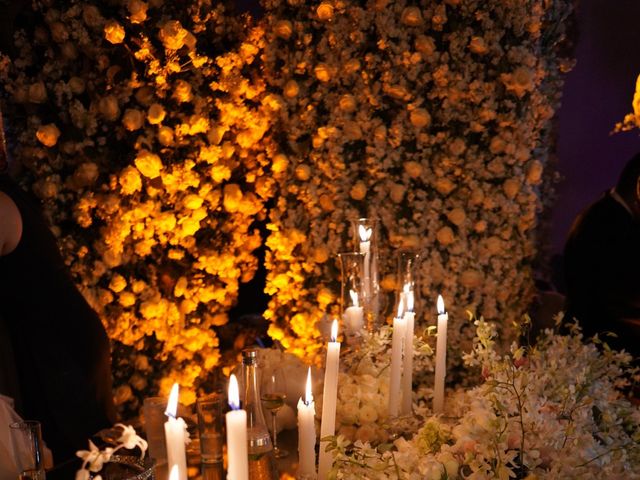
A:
{"x": 273, "y": 395}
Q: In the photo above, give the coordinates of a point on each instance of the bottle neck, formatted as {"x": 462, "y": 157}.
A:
{"x": 252, "y": 403}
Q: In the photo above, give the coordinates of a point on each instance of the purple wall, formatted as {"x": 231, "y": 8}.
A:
{"x": 597, "y": 94}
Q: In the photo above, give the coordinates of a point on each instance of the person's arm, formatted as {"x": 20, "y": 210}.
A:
{"x": 10, "y": 225}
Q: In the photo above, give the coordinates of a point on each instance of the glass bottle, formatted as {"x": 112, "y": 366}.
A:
{"x": 261, "y": 465}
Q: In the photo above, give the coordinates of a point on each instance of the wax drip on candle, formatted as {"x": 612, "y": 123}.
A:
{"x": 234, "y": 393}
{"x": 440, "y": 305}
{"x": 172, "y": 404}
{"x": 334, "y": 331}
{"x": 308, "y": 396}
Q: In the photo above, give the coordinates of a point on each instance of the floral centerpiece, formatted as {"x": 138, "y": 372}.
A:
{"x": 551, "y": 410}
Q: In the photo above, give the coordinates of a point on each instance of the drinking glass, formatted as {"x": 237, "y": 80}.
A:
{"x": 26, "y": 439}
{"x": 273, "y": 394}
{"x": 154, "y": 418}
{"x": 209, "y": 410}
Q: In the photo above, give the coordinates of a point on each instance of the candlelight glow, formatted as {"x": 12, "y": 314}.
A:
{"x": 354, "y": 298}
{"x": 334, "y": 331}
{"x": 174, "y": 473}
{"x": 172, "y": 404}
{"x": 234, "y": 393}
{"x": 400, "y": 308}
{"x": 365, "y": 233}
{"x": 308, "y": 396}
{"x": 409, "y": 298}
{"x": 441, "y": 309}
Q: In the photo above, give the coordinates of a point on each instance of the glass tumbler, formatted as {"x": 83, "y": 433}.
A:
{"x": 210, "y": 423}
{"x": 26, "y": 438}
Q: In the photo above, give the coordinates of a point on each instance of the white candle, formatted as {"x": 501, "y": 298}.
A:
{"x": 237, "y": 446}
{"x": 441, "y": 358}
{"x": 399, "y": 327}
{"x": 175, "y": 434}
{"x": 307, "y": 434}
{"x": 407, "y": 364}
{"x": 354, "y": 315}
{"x": 329, "y": 398}
{"x": 365, "y": 248}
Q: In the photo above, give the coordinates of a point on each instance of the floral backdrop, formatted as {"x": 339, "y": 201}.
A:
{"x": 157, "y": 133}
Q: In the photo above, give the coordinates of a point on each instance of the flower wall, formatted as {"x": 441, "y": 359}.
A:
{"x": 433, "y": 116}
{"x": 156, "y": 132}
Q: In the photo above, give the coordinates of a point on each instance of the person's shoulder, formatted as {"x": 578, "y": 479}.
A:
{"x": 10, "y": 224}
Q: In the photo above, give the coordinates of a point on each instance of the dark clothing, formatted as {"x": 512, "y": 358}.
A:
{"x": 602, "y": 269}
{"x": 60, "y": 347}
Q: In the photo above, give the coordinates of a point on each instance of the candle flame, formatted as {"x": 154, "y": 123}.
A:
{"x": 441, "y": 309}
{"x": 234, "y": 393}
{"x": 354, "y": 298}
{"x": 410, "y": 300}
{"x": 365, "y": 233}
{"x": 174, "y": 475}
{"x": 172, "y": 404}
{"x": 400, "y": 307}
{"x": 406, "y": 288}
{"x": 334, "y": 331}
{"x": 308, "y": 396}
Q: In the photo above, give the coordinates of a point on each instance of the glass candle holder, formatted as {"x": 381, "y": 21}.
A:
{"x": 352, "y": 293}
{"x": 365, "y": 237}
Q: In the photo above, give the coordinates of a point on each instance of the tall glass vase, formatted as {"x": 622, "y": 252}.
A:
{"x": 408, "y": 295}
{"x": 365, "y": 233}
{"x": 352, "y": 293}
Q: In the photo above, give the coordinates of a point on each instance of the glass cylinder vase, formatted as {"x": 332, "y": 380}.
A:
{"x": 352, "y": 294}
{"x": 365, "y": 235}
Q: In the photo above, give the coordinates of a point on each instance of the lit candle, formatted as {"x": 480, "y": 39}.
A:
{"x": 399, "y": 328}
{"x": 329, "y": 397}
{"x": 354, "y": 316}
{"x": 307, "y": 434}
{"x": 365, "y": 248}
{"x": 175, "y": 473}
{"x": 407, "y": 364}
{"x": 441, "y": 358}
{"x": 236, "y": 421}
{"x": 175, "y": 434}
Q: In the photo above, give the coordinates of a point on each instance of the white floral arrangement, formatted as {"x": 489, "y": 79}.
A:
{"x": 547, "y": 411}
{"x": 94, "y": 459}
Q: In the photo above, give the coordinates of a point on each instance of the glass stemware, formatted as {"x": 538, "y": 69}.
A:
{"x": 273, "y": 394}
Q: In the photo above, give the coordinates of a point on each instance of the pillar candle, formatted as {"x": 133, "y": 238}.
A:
{"x": 354, "y": 315}
{"x": 175, "y": 434}
{"x": 307, "y": 434}
{"x": 329, "y": 398}
{"x": 441, "y": 358}
{"x": 237, "y": 446}
{"x": 407, "y": 363}
{"x": 397, "y": 340}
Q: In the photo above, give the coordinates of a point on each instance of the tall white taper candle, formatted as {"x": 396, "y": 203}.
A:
{"x": 441, "y": 358}
{"x": 329, "y": 398}
{"x": 237, "y": 445}
{"x": 407, "y": 361}
{"x": 397, "y": 340}
{"x": 307, "y": 434}
{"x": 175, "y": 434}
